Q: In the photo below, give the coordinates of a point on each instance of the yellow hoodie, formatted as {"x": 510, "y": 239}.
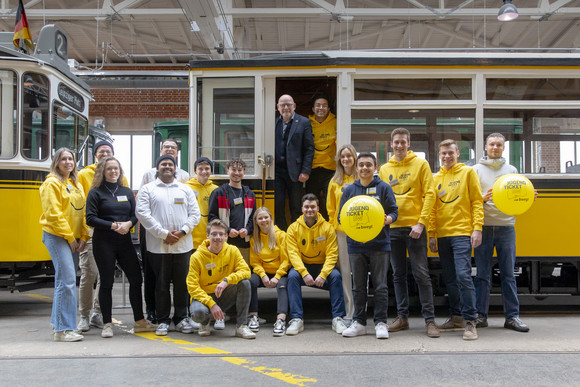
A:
{"x": 458, "y": 208}
{"x": 207, "y": 270}
{"x": 312, "y": 245}
{"x": 202, "y": 193}
{"x": 412, "y": 183}
{"x": 63, "y": 209}
{"x": 270, "y": 261}
{"x": 324, "y": 134}
{"x": 87, "y": 175}
{"x": 333, "y": 199}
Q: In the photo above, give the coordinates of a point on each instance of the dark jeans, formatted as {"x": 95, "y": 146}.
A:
{"x": 282, "y": 186}
{"x": 455, "y": 257}
{"x": 170, "y": 268}
{"x": 504, "y": 240}
{"x": 377, "y": 263}
{"x": 109, "y": 248}
{"x": 281, "y": 288}
{"x": 238, "y": 295}
{"x": 401, "y": 242}
{"x": 148, "y": 275}
{"x": 317, "y": 184}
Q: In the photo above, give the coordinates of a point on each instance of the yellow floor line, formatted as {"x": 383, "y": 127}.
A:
{"x": 39, "y": 297}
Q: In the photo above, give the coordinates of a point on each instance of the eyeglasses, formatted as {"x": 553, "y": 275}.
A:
{"x": 169, "y": 147}
{"x": 217, "y": 234}
{"x": 285, "y": 105}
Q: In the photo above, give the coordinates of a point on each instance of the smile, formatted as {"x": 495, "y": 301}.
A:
{"x": 451, "y": 201}
{"x": 306, "y": 256}
{"x": 403, "y": 192}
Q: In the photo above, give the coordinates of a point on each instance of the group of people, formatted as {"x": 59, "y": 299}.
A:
{"x": 216, "y": 248}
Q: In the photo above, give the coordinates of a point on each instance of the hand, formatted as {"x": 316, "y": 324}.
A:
{"x": 243, "y": 232}
{"x": 417, "y": 230}
{"x": 303, "y": 177}
{"x": 266, "y": 281}
{"x": 388, "y": 219}
{"x": 273, "y": 282}
{"x": 488, "y": 196}
{"x": 217, "y": 312}
{"x": 233, "y": 233}
{"x": 476, "y": 238}
{"x": 74, "y": 246}
{"x": 535, "y": 194}
{"x": 123, "y": 227}
{"x": 308, "y": 280}
{"x": 171, "y": 238}
{"x": 220, "y": 288}
{"x": 82, "y": 245}
{"x": 319, "y": 281}
{"x": 433, "y": 245}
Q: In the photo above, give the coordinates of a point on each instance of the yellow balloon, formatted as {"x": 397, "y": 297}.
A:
{"x": 362, "y": 218}
{"x": 513, "y": 194}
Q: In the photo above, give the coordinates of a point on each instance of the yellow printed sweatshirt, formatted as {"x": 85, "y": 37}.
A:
{"x": 202, "y": 193}
{"x": 412, "y": 183}
{"x": 324, "y": 134}
{"x": 87, "y": 175}
{"x": 207, "y": 270}
{"x": 333, "y": 199}
{"x": 270, "y": 261}
{"x": 458, "y": 209}
{"x": 312, "y": 245}
{"x": 63, "y": 209}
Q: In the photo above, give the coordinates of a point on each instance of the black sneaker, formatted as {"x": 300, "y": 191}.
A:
{"x": 481, "y": 322}
{"x": 516, "y": 324}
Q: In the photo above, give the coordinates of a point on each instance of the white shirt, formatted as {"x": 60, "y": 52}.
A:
{"x": 163, "y": 207}
{"x": 149, "y": 176}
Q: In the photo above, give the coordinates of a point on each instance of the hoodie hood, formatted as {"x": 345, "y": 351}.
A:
{"x": 373, "y": 182}
{"x": 194, "y": 182}
{"x": 408, "y": 159}
{"x": 494, "y": 164}
{"x": 455, "y": 169}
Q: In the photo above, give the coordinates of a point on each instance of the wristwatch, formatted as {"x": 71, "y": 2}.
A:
{"x": 184, "y": 233}
{"x": 225, "y": 280}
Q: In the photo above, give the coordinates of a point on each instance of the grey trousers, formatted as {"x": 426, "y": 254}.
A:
{"x": 234, "y": 295}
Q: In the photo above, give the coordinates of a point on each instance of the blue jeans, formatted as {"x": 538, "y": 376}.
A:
{"x": 504, "y": 240}
{"x": 237, "y": 295}
{"x": 455, "y": 257}
{"x": 333, "y": 284}
{"x": 401, "y": 242}
{"x": 64, "y": 303}
{"x": 377, "y": 262}
{"x": 281, "y": 288}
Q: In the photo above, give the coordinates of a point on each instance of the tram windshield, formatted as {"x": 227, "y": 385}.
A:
{"x": 8, "y": 114}
{"x": 69, "y": 129}
{"x": 35, "y": 116}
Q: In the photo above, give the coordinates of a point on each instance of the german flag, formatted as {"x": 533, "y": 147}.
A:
{"x": 21, "y": 29}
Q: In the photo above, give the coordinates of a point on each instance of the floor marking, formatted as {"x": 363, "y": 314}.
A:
{"x": 39, "y": 297}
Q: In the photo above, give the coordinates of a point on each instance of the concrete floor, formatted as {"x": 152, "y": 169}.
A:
{"x": 548, "y": 355}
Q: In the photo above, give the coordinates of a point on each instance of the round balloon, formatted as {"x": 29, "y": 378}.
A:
{"x": 362, "y": 218}
{"x": 513, "y": 194}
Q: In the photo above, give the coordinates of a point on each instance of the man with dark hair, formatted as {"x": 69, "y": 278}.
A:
{"x": 313, "y": 252}
{"x": 294, "y": 154}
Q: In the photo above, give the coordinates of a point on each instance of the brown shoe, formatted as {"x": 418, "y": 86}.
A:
{"x": 470, "y": 332}
{"x": 400, "y": 324}
{"x": 453, "y": 323}
{"x": 432, "y": 330}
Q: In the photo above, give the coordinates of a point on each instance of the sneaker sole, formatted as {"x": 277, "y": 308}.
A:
{"x": 291, "y": 333}
{"x": 204, "y": 334}
{"x": 255, "y": 329}
{"x": 160, "y": 333}
{"x": 398, "y": 329}
{"x": 382, "y": 337}
{"x": 470, "y": 338}
{"x": 278, "y": 334}
{"x": 451, "y": 329}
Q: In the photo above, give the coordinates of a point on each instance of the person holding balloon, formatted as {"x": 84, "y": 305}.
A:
{"x": 368, "y": 206}
{"x": 499, "y": 232}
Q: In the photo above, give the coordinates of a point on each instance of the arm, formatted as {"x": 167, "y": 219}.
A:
{"x": 432, "y": 229}
{"x": 193, "y": 213}
{"x": 331, "y": 253}
{"x": 240, "y": 271}
{"x": 284, "y": 261}
{"x": 308, "y": 148}
{"x": 144, "y": 215}
{"x": 331, "y": 203}
{"x": 390, "y": 206}
{"x": 428, "y": 190}
{"x": 476, "y": 208}
{"x": 255, "y": 261}
{"x": 294, "y": 252}
{"x": 193, "y": 287}
{"x": 92, "y": 212}
{"x": 51, "y": 201}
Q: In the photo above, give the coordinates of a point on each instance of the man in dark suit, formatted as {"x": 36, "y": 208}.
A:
{"x": 294, "y": 154}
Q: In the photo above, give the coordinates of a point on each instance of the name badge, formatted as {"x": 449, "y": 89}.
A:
{"x": 122, "y": 198}
{"x": 237, "y": 201}
{"x": 371, "y": 190}
{"x": 210, "y": 265}
{"x": 69, "y": 187}
{"x": 394, "y": 182}
{"x": 178, "y": 201}
{"x": 346, "y": 185}
{"x": 321, "y": 238}
{"x": 442, "y": 193}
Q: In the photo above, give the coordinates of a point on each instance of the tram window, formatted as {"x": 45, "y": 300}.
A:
{"x": 542, "y": 89}
{"x": 412, "y": 89}
{"x": 68, "y": 129}
{"x": 8, "y": 101}
{"x": 35, "y": 116}
{"x": 227, "y": 121}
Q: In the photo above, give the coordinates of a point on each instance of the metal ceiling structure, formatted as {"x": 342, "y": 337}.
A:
{"x": 171, "y": 32}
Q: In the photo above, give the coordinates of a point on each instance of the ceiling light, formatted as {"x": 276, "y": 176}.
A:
{"x": 194, "y": 27}
{"x": 507, "y": 12}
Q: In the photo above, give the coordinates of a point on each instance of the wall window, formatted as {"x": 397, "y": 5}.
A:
{"x": 35, "y": 116}
{"x": 134, "y": 152}
{"x": 8, "y": 101}
{"x": 412, "y": 89}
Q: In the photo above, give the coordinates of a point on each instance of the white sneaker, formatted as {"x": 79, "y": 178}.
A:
{"x": 184, "y": 326}
{"x": 279, "y": 328}
{"x": 68, "y": 336}
{"x": 382, "y": 330}
{"x": 338, "y": 325}
{"x": 96, "y": 320}
{"x": 244, "y": 332}
{"x": 355, "y": 329}
{"x": 254, "y": 323}
{"x": 83, "y": 324}
{"x": 162, "y": 329}
{"x": 295, "y": 326}
{"x": 107, "y": 331}
{"x": 194, "y": 324}
{"x": 204, "y": 330}
{"x": 219, "y": 325}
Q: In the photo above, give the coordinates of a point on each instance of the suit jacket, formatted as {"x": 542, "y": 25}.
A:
{"x": 299, "y": 147}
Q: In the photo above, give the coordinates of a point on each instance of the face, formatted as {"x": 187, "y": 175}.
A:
{"x": 286, "y": 107}
{"x": 263, "y": 219}
{"x": 346, "y": 158}
{"x": 103, "y": 151}
{"x": 217, "y": 236}
{"x": 169, "y": 148}
{"x": 112, "y": 171}
{"x": 448, "y": 155}
{"x": 166, "y": 170}
{"x": 66, "y": 163}
{"x": 400, "y": 145}
{"x": 494, "y": 147}
{"x": 203, "y": 171}
{"x": 236, "y": 173}
{"x": 321, "y": 109}
{"x": 366, "y": 167}
{"x": 310, "y": 210}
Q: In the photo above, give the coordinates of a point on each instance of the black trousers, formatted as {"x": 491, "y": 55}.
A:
{"x": 317, "y": 184}
{"x": 148, "y": 274}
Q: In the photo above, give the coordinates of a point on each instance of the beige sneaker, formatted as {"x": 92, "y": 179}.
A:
{"x": 107, "y": 331}
{"x": 204, "y": 330}
{"x": 432, "y": 330}
{"x": 244, "y": 332}
{"x": 68, "y": 336}
{"x": 144, "y": 326}
{"x": 453, "y": 323}
{"x": 400, "y": 324}
{"x": 470, "y": 331}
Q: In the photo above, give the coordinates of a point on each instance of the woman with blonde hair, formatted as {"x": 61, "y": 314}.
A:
{"x": 344, "y": 176}
{"x": 65, "y": 234}
{"x": 270, "y": 264}
{"x": 111, "y": 211}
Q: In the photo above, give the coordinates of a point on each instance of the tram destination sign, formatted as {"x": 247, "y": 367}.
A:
{"x": 71, "y": 97}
